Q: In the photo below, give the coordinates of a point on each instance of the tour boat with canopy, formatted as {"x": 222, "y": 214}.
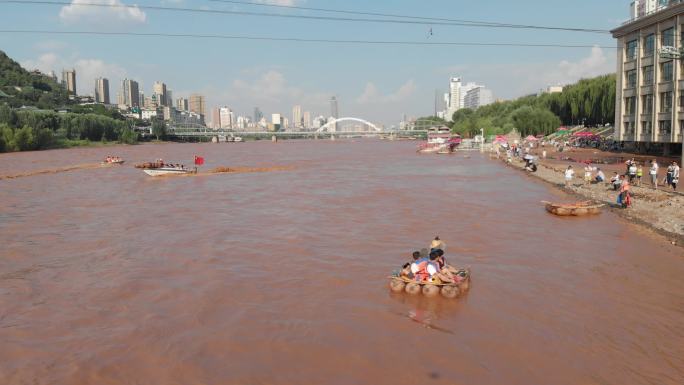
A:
{"x": 439, "y": 140}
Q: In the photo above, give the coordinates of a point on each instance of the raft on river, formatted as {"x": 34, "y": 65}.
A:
{"x": 432, "y": 289}
{"x": 575, "y": 209}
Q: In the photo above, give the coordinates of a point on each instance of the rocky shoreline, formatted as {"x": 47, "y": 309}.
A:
{"x": 659, "y": 210}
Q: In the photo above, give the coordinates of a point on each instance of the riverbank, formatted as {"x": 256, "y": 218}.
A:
{"x": 660, "y": 210}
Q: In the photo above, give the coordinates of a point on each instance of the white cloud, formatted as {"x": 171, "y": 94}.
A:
{"x": 372, "y": 95}
{"x": 110, "y": 11}
{"x": 510, "y": 80}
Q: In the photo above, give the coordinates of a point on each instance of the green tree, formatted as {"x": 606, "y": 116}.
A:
{"x": 158, "y": 129}
{"x": 23, "y": 139}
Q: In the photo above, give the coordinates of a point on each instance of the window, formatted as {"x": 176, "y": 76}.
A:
{"x": 681, "y": 98}
{"x": 665, "y": 127}
{"x": 649, "y": 45}
{"x": 647, "y": 103}
{"x": 629, "y": 128}
{"x": 667, "y": 38}
{"x": 648, "y": 75}
{"x": 631, "y": 50}
{"x": 631, "y": 78}
{"x": 666, "y": 101}
{"x": 646, "y": 127}
{"x": 666, "y": 72}
{"x": 630, "y": 105}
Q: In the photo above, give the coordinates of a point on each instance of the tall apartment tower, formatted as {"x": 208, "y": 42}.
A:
{"x": 131, "y": 93}
{"x": 69, "y": 81}
{"x": 159, "y": 89}
{"x": 297, "y": 119}
{"x": 102, "y": 90}
{"x": 182, "y": 104}
{"x": 307, "y": 119}
{"x": 454, "y": 97}
{"x": 334, "y": 112}
{"x": 198, "y": 104}
{"x": 258, "y": 114}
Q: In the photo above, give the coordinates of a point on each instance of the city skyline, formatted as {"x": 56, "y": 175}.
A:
{"x": 376, "y": 82}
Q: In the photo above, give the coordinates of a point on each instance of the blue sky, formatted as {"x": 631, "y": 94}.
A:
{"x": 376, "y": 82}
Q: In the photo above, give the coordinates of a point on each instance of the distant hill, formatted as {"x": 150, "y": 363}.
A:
{"x": 20, "y": 87}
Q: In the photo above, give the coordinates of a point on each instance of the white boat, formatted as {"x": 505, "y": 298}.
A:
{"x": 238, "y": 139}
{"x": 166, "y": 171}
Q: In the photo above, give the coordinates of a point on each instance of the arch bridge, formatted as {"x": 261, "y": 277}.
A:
{"x": 333, "y": 123}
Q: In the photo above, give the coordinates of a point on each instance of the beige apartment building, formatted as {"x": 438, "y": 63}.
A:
{"x": 649, "y": 109}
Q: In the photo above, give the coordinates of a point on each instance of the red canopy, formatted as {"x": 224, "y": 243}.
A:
{"x": 584, "y": 134}
{"x": 531, "y": 138}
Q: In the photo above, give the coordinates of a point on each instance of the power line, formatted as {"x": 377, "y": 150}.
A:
{"x": 473, "y": 22}
{"x": 308, "y": 17}
{"x": 302, "y": 40}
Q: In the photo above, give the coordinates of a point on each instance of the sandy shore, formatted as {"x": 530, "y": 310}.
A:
{"x": 661, "y": 210}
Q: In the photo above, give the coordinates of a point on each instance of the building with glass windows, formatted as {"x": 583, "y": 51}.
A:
{"x": 649, "y": 109}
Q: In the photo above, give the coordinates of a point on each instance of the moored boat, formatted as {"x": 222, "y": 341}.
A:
{"x": 432, "y": 289}
{"x": 440, "y": 141}
{"x": 112, "y": 160}
{"x": 573, "y": 209}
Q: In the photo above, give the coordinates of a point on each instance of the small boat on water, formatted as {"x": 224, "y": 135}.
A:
{"x": 432, "y": 289}
{"x": 573, "y": 209}
{"x": 112, "y": 160}
{"x": 166, "y": 170}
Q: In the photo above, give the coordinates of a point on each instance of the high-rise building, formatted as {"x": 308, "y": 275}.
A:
{"x": 334, "y": 112}
{"x": 258, "y": 114}
{"x": 102, "y": 90}
{"x": 215, "y": 118}
{"x": 198, "y": 104}
{"x": 131, "y": 93}
{"x": 169, "y": 98}
{"x": 478, "y": 97}
{"x": 649, "y": 80}
{"x": 297, "y": 118}
{"x": 69, "y": 81}
{"x": 307, "y": 120}
{"x": 454, "y": 102}
{"x": 278, "y": 122}
{"x": 333, "y": 108}
{"x": 182, "y": 104}
{"x": 227, "y": 117}
{"x": 159, "y": 89}
{"x": 463, "y": 91}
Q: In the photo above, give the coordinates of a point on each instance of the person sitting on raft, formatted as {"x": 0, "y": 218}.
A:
{"x": 437, "y": 244}
{"x": 407, "y": 269}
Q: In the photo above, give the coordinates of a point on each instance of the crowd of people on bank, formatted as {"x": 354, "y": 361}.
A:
{"x": 633, "y": 175}
{"x": 431, "y": 267}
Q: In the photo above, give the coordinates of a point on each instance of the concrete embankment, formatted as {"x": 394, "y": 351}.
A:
{"x": 659, "y": 210}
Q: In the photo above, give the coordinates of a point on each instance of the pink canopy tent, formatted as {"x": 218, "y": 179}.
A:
{"x": 584, "y": 134}
{"x": 501, "y": 139}
{"x": 531, "y": 138}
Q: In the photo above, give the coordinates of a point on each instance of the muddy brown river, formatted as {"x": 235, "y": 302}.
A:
{"x": 108, "y": 276}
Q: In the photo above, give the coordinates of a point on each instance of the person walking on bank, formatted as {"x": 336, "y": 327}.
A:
{"x": 632, "y": 171}
{"x": 640, "y": 174}
{"x": 569, "y": 173}
{"x": 624, "y": 199}
{"x": 670, "y": 174}
{"x": 675, "y": 175}
{"x": 654, "y": 173}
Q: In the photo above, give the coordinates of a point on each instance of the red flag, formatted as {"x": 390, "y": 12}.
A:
{"x": 199, "y": 160}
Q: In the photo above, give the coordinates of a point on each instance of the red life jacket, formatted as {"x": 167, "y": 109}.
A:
{"x": 422, "y": 274}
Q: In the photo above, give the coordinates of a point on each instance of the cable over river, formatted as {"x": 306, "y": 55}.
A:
{"x": 108, "y": 276}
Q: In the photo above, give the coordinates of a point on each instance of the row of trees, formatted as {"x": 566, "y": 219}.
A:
{"x": 590, "y": 102}
{"x": 23, "y": 130}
